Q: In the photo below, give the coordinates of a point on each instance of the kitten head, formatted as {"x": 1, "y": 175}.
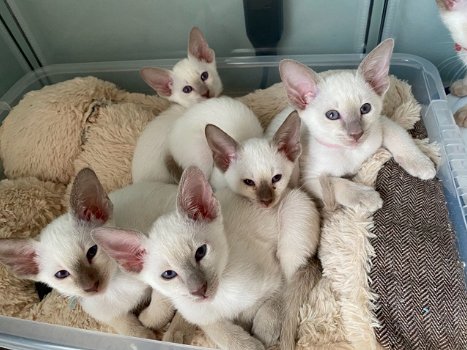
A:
{"x": 454, "y": 15}
{"x": 192, "y": 79}
{"x": 65, "y": 257}
{"x": 186, "y": 252}
{"x": 257, "y": 169}
{"x": 340, "y": 108}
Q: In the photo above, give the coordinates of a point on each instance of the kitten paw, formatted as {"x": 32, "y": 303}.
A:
{"x": 461, "y": 117}
{"x": 142, "y": 332}
{"x": 421, "y": 167}
{"x": 155, "y": 319}
{"x": 358, "y": 195}
{"x": 459, "y": 88}
{"x": 179, "y": 330}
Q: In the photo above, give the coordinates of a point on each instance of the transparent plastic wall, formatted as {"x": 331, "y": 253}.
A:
{"x": 118, "y": 30}
{"x": 418, "y": 29}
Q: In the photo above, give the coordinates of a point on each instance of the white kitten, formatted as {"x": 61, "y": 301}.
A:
{"x": 187, "y": 141}
{"x": 213, "y": 259}
{"x": 341, "y": 114}
{"x": 66, "y": 258}
{"x": 454, "y": 15}
{"x": 190, "y": 81}
{"x": 260, "y": 169}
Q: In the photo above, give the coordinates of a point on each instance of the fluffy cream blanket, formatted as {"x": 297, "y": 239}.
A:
{"x": 86, "y": 122}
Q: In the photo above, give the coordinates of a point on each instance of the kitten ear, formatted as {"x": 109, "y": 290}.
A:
{"x": 126, "y": 247}
{"x": 195, "y": 198}
{"x": 198, "y": 47}
{"x": 88, "y": 200}
{"x": 300, "y": 83}
{"x": 160, "y": 80}
{"x": 375, "y": 67}
{"x": 448, "y": 5}
{"x": 20, "y": 256}
{"x": 287, "y": 137}
{"x": 224, "y": 148}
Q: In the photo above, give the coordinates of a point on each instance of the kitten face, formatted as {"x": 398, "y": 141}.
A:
{"x": 65, "y": 257}
{"x": 186, "y": 252}
{"x": 258, "y": 169}
{"x": 192, "y": 79}
{"x": 340, "y": 108}
{"x": 454, "y": 15}
{"x": 344, "y": 111}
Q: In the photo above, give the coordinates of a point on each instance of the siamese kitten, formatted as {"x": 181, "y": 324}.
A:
{"x": 212, "y": 259}
{"x": 454, "y": 15}
{"x": 187, "y": 141}
{"x": 341, "y": 114}
{"x": 260, "y": 169}
{"x": 65, "y": 257}
{"x": 190, "y": 81}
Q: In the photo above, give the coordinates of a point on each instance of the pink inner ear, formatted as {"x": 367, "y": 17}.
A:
{"x": 299, "y": 82}
{"x": 159, "y": 79}
{"x": 195, "y": 197}
{"x": 198, "y": 47}
{"x": 20, "y": 256}
{"x": 123, "y": 246}
{"x": 223, "y": 147}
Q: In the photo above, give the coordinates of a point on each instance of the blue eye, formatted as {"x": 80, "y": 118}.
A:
{"x": 201, "y": 252}
{"x": 204, "y": 76}
{"x": 169, "y": 274}
{"x": 62, "y": 274}
{"x": 333, "y": 115}
{"x": 365, "y": 108}
{"x": 276, "y": 178}
{"x": 187, "y": 89}
{"x": 248, "y": 182}
{"x": 91, "y": 253}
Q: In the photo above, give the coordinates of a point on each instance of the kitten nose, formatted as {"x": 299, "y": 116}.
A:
{"x": 356, "y": 136}
{"x": 266, "y": 202}
{"x": 206, "y": 94}
{"x": 200, "y": 292}
{"x": 93, "y": 288}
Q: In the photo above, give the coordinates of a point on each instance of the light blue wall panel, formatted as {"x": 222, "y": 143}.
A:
{"x": 12, "y": 64}
{"x": 64, "y": 31}
{"x": 418, "y": 29}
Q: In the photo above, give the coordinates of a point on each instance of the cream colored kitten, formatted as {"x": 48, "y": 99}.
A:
{"x": 341, "y": 114}
{"x": 65, "y": 257}
{"x": 190, "y": 81}
{"x": 213, "y": 258}
{"x": 260, "y": 169}
{"x": 454, "y": 15}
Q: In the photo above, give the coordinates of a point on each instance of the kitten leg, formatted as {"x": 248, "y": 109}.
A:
{"x": 268, "y": 320}
{"x": 346, "y": 193}
{"x": 461, "y": 117}
{"x": 128, "y": 324}
{"x": 158, "y": 313}
{"x": 299, "y": 224}
{"x": 405, "y": 151}
{"x": 229, "y": 336}
{"x": 179, "y": 330}
{"x": 459, "y": 88}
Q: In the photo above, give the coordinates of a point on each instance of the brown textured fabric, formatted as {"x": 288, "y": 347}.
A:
{"x": 416, "y": 271}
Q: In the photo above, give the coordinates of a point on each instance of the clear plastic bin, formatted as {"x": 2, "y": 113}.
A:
{"x": 241, "y": 76}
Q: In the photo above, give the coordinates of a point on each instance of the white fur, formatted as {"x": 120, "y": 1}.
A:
{"x": 187, "y": 140}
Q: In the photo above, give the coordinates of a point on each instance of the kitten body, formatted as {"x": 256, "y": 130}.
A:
{"x": 454, "y": 15}
{"x": 64, "y": 258}
{"x": 187, "y": 140}
{"x": 260, "y": 169}
{"x": 191, "y": 80}
{"x": 341, "y": 114}
{"x": 213, "y": 258}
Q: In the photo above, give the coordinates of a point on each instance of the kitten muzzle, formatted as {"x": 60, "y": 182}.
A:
{"x": 265, "y": 194}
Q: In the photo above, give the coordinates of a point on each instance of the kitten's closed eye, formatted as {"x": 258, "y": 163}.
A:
{"x": 332, "y": 114}
{"x": 248, "y": 182}
{"x": 201, "y": 252}
{"x": 91, "y": 253}
{"x": 62, "y": 274}
{"x": 365, "y": 108}
{"x": 169, "y": 274}
{"x": 187, "y": 89}
{"x": 276, "y": 178}
{"x": 204, "y": 76}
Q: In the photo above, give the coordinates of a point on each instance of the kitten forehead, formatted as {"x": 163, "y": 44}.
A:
{"x": 191, "y": 69}
{"x": 259, "y": 159}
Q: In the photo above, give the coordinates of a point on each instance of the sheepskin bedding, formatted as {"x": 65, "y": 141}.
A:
{"x": 397, "y": 270}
